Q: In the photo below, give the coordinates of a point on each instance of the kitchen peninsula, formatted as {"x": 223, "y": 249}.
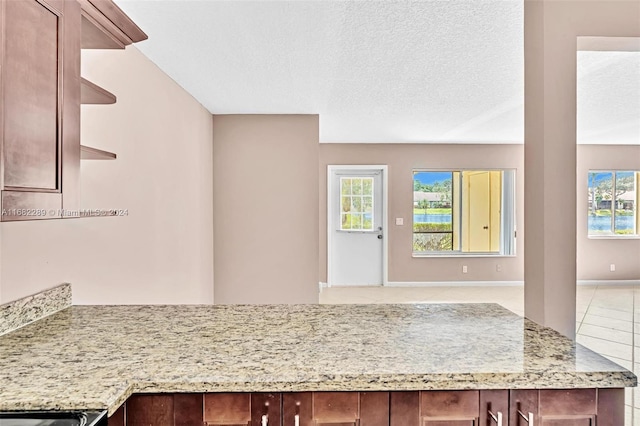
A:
{"x": 395, "y": 361}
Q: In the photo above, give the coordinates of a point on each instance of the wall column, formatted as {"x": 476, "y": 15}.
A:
{"x": 551, "y": 31}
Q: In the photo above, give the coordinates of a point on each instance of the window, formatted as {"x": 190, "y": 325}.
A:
{"x": 613, "y": 199}
{"x": 461, "y": 212}
{"x": 356, "y": 203}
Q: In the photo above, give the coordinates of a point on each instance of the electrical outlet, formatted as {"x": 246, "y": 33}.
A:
{"x": 464, "y": 269}
{"x": 498, "y": 268}
{"x": 612, "y": 267}
{"x": 399, "y": 221}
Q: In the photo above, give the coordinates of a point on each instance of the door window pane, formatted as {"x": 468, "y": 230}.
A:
{"x": 356, "y": 203}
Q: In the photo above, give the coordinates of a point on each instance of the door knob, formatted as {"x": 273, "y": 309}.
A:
{"x": 379, "y": 236}
{"x": 485, "y": 227}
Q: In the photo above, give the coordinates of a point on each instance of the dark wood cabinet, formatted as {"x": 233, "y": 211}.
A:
{"x": 255, "y": 409}
{"x": 40, "y": 105}
{"x": 574, "y": 407}
{"x": 602, "y": 407}
{"x": 449, "y": 408}
{"x": 523, "y": 407}
{"x": 508, "y": 407}
{"x": 145, "y": 410}
{"x": 183, "y": 409}
{"x": 335, "y": 408}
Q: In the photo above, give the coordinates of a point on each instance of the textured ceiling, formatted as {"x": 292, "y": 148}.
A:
{"x": 375, "y": 71}
{"x": 608, "y": 98}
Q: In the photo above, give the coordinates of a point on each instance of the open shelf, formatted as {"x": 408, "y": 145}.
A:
{"x": 106, "y": 26}
{"x": 91, "y": 93}
{"x": 88, "y": 153}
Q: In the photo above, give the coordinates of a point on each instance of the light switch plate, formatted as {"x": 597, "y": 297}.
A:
{"x": 399, "y": 221}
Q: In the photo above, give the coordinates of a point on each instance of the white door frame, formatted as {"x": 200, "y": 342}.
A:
{"x": 385, "y": 223}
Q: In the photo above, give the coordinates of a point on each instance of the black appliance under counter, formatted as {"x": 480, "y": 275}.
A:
{"x": 53, "y": 418}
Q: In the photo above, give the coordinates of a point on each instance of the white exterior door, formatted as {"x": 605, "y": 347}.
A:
{"x": 355, "y": 226}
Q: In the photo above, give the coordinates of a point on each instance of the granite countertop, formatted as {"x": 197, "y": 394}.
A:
{"x": 94, "y": 357}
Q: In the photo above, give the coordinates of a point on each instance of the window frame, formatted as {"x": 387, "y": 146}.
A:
{"x": 613, "y": 235}
{"x": 506, "y": 250}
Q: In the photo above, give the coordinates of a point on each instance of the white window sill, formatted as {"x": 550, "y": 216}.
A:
{"x": 460, "y": 255}
{"x": 614, "y": 237}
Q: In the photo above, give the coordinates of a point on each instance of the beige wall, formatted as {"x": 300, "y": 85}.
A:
{"x": 402, "y": 159}
{"x": 595, "y": 255}
{"x": 266, "y": 208}
{"x": 551, "y": 29}
{"x": 162, "y": 252}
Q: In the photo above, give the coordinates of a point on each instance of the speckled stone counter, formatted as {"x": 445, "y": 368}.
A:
{"x": 94, "y": 357}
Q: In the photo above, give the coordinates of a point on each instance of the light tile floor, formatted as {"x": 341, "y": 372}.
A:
{"x": 607, "y": 317}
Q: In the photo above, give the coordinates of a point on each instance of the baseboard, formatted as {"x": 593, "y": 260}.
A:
{"x": 455, "y": 284}
{"x": 482, "y": 283}
{"x": 352, "y": 285}
{"x": 608, "y": 282}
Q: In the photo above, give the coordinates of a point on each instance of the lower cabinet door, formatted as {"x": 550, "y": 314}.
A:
{"x": 450, "y": 408}
{"x": 336, "y": 409}
{"x": 145, "y": 410}
{"x": 181, "y": 409}
{"x": 523, "y": 407}
{"x": 242, "y": 409}
{"x": 233, "y": 409}
{"x": 571, "y": 407}
{"x": 494, "y": 407}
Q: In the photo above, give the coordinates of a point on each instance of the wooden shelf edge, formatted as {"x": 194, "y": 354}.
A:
{"x": 88, "y": 153}
{"x": 95, "y": 36}
{"x": 106, "y": 26}
{"x": 93, "y": 94}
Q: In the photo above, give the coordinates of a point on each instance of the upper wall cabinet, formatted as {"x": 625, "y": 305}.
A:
{"x": 40, "y": 96}
{"x": 40, "y": 104}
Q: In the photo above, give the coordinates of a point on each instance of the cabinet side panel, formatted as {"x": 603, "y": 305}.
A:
{"x": 145, "y": 410}
{"x": 404, "y": 408}
{"x": 374, "y": 408}
{"x": 71, "y": 107}
{"x": 610, "y": 407}
{"x": 2, "y": 37}
{"x": 31, "y": 96}
{"x": 188, "y": 409}
{"x": 117, "y": 418}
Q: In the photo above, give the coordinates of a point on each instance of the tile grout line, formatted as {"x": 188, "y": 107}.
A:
{"x": 587, "y": 310}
